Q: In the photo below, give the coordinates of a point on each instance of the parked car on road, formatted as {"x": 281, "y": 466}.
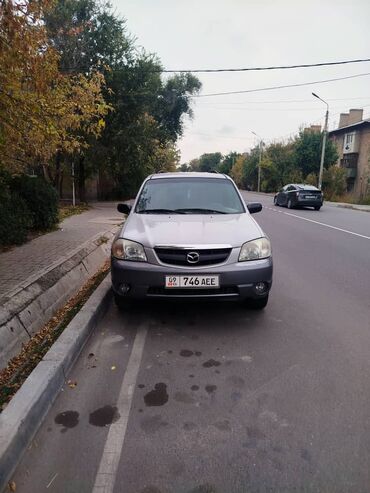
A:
{"x": 190, "y": 235}
{"x": 299, "y": 195}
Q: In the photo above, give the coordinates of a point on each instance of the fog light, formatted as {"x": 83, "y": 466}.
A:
{"x": 261, "y": 287}
{"x": 124, "y": 288}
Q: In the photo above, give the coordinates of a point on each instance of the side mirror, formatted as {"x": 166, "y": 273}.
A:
{"x": 254, "y": 207}
{"x": 124, "y": 208}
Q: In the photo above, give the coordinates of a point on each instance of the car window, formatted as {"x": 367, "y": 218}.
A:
{"x": 190, "y": 195}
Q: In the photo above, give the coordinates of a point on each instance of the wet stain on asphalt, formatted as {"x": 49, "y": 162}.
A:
{"x": 223, "y": 425}
{"x": 210, "y": 388}
{"x": 158, "y": 396}
{"x": 104, "y": 416}
{"x": 198, "y": 353}
{"x": 184, "y": 397}
{"x": 186, "y": 353}
{"x": 255, "y": 433}
{"x": 195, "y": 387}
{"x": 152, "y": 424}
{"x": 210, "y": 363}
{"x": 170, "y": 351}
{"x": 191, "y": 376}
{"x": 189, "y": 426}
{"x": 141, "y": 385}
{"x": 217, "y": 371}
{"x": 68, "y": 419}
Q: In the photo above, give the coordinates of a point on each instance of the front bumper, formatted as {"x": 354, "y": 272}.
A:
{"x": 146, "y": 280}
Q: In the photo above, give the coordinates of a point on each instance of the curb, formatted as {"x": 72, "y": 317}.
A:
{"x": 24, "y": 414}
{"x": 29, "y": 305}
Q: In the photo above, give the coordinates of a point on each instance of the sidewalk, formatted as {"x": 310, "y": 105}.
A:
{"x": 33, "y": 257}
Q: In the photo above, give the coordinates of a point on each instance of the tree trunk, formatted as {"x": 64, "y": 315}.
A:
{"x": 81, "y": 179}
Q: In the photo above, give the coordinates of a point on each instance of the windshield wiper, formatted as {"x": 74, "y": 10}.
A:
{"x": 160, "y": 211}
{"x": 196, "y": 210}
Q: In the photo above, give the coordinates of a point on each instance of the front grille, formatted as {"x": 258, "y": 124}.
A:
{"x": 176, "y": 256}
{"x": 157, "y": 290}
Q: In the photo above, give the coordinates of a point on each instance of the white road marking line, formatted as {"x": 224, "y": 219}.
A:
{"x": 323, "y": 224}
{"x": 106, "y": 475}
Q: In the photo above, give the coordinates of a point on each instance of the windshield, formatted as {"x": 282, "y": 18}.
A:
{"x": 189, "y": 196}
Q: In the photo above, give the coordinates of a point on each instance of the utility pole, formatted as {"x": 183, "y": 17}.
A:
{"x": 259, "y": 162}
{"x": 323, "y": 140}
{"x": 73, "y": 184}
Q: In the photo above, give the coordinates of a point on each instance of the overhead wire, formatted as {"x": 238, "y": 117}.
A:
{"x": 273, "y": 67}
{"x": 285, "y": 86}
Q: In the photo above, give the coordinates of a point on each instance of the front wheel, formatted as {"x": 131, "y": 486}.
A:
{"x": 257, "y": 303}
{"x": 290, "y": 204}
{"x": 317, "y": 207}
{"x": 275, "y": 201}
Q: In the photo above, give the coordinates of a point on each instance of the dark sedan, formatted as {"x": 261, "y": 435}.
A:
{"x": 298, "y": 195}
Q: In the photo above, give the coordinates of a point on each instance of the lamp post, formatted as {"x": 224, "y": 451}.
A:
{"x": 323, "y": 139}
{"x": 259, "y": 162}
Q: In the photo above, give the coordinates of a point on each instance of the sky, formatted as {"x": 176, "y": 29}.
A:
{"x": 209, "y": 34}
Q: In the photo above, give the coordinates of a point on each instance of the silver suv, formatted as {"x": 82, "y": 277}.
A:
{"x": 190, "y": 235}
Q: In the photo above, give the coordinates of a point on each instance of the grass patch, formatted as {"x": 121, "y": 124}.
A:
{"x": 20, "y": 366}
{"x": 71, "y": 210}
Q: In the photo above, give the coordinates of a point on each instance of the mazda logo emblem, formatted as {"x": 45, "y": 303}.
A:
{"x": 192, "y": 257}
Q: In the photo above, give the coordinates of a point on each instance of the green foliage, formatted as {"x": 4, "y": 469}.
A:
{"x": 15, "y": 219}
{"x": 307, "y": 152}
{"x": 334, "y": 182}
{"x": 40, "y": 198}
{"x": 210, "y": 162}
{"x": 228, "y": 162}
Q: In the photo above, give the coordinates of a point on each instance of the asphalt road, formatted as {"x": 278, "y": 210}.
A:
{"x": 219, "y": 399}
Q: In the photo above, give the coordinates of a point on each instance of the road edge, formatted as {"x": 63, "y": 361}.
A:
{"x": 23, "y": 416}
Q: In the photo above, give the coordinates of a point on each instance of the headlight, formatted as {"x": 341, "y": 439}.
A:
{"x": 128, "y": 250}
{"x": 255, "y": 250}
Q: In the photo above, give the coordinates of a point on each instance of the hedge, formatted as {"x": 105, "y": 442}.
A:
{"x": 26, "y": 203}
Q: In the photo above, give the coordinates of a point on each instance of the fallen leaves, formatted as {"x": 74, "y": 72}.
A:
{"x": 72, "y": 384}
{"x": 12, "y": 486}
{"x": 113, "y": 368}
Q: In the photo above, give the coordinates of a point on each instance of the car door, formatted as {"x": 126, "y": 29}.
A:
{"x": 282, "y": 196}
{"x": 290, "y": 194}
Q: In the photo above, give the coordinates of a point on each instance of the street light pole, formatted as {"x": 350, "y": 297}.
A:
{"x": 323, "y": 140}
{"x": 259, "y": 163}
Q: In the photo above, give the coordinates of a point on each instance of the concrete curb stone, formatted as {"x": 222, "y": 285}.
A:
{"x": 24, "y": 414}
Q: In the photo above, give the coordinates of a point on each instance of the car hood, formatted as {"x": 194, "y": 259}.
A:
{"x": 153, "y": 230}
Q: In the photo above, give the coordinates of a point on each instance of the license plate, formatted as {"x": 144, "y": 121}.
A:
{"x": 310, "y": 197}
{"x": 192, "y": 282}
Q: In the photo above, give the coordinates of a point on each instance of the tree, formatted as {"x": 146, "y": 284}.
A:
{"x": 210, "y": 162}
{"x": 40, "y": 108}
{"x": 307, "y": 152}
{"x": 227, "y": 162}
{"x": 237, "y": 171}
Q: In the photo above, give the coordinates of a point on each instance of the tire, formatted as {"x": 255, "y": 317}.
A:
{"x": 289, "y": 204}
{"x": 276, "y": 202}
{"x": 257, "y": 304}
{"x": 317, "y": 207}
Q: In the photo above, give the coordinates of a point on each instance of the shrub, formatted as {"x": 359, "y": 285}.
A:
{"x": 15, "y": 218}
{"x": 41, "y": 200}
{"x": 334, "y": 182}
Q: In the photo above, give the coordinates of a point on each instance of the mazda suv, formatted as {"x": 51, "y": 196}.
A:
{"x": 191, "y": 236}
